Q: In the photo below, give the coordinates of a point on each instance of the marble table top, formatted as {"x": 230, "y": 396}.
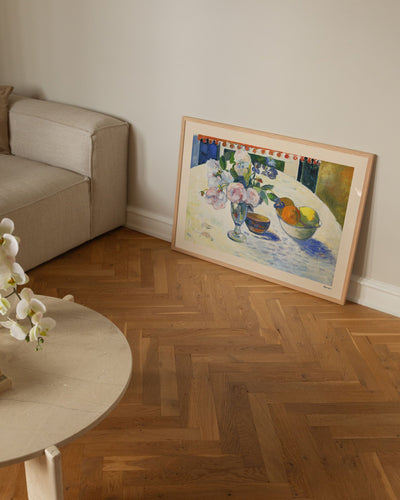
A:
{"x": 65, "y": 389}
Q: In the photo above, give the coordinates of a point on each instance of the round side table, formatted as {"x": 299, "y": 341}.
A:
{"x": 60, "y": 392}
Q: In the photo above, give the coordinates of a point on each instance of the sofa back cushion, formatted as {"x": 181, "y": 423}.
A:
{"x": 5, "y": 91}
{"x": 57, "y": 134}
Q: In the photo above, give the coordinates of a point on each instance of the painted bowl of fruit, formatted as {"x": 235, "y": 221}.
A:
{"x": 299, "y": 223}
{"x": 257, "y": 223}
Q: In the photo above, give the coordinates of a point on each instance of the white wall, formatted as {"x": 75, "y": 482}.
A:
{"x": 323, "y": 70}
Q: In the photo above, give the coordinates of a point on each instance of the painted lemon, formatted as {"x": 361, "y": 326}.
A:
{"x": 290, "y": 214}
{"x": 309, "y": 216}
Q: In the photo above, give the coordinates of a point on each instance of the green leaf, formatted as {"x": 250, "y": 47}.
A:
{"x": 272, "y": 196}
{"x": 264, "y": 197}
{"x": 247, "y": 176}
{"x": 233, "y": 173}
{"x": 222, "y": 162}
{"x": 267, "y": 187}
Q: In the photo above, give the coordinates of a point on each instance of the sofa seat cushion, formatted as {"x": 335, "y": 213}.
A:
{"x": 42, "y": 200}
{"x": 24, "y": 182}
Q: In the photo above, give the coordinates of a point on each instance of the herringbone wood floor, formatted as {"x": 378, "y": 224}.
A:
{"x": 241, "y": 388}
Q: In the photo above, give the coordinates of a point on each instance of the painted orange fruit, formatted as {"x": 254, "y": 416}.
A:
{"x": 290, "y": 214}
{"x": 286, "y": 202}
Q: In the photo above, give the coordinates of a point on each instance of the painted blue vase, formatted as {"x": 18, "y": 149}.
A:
{"x": 239, "y": 214}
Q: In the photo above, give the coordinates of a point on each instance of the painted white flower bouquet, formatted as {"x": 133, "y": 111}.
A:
{"x": 239, "y": 181}
{"x": 29, "y": 324}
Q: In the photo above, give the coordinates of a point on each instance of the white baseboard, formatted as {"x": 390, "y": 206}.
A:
{"x": 367, "y": 292}
{"x": 375, "y": 294}
{"x": 148, "y": 222}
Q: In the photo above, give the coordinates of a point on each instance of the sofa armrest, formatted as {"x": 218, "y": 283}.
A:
{"x": 86, "y": 142}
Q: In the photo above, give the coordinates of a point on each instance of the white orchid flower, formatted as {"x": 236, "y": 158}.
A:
{"x": 5, "y": 271}
{"x": 28, "y": 308}
{"x": 16, "y": 330}
{"x": 9, "y": 244}
{"x": 41, "y": 326}
{"x": 28, "y": 305}
{"x": 6, "y": 226}
{"x": 12, "y": 275}
{"x": 5, "y": 306}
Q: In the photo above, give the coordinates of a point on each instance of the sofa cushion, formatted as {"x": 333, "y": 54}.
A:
{"x": 49, "y": 206}
{"x": 24, "y": 182}
{"x": 57, "y": 134}
{"x": 5, "y": 91}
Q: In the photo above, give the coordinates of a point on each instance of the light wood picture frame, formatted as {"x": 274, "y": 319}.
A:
{"x": 282, "y": 209}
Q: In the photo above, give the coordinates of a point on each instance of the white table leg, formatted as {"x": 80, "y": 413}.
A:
{"x": 44, "y": 476}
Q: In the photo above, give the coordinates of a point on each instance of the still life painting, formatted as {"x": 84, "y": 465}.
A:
{"x": 281, "y": 209}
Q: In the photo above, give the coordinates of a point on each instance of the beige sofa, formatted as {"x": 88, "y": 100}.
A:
{"x": 65, "y": 180}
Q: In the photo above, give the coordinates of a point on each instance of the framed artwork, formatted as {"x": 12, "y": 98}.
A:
{"x": 282, "y": 209}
